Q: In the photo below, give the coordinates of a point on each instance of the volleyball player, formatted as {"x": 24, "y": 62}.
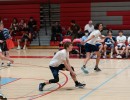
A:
{"x": 60, "y": 61}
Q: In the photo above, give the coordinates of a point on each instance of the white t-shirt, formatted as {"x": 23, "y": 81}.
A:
{"x": 97, "y": 42}
{"x": 128, "y": 40}
{"x": 87, "y": 27}
{"x": 121, "y": 39}
{"x": 93, "y": 41}
{"x": 59, "y": 57}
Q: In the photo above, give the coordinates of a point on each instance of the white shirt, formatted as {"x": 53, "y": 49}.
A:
{"x": 128, "y": 40}
{"x": 121, "y": 39}
{"x": 59, "y": 57}
{"x": 97, "y": 42}
{"x": 93, "y": 41}
{"x": 87, "y": 27}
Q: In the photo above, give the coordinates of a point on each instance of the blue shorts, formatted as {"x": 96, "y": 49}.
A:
{"x": 98, "y": 44}
{"x": 91, "y": 48}
{"x": 110, "y": 45}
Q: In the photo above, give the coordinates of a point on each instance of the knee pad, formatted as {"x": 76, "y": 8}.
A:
{"x": 54, "y": 80}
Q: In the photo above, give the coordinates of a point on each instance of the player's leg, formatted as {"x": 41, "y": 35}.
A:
{"x": 112, "y": 49}
{"x": 88, "y": 55}
{"x": 97, "y": 61}
{"x": 127, "y": 51}
{"x": 55, "y": 72}
{"x": 18, "y": 41}
{"x": 77, "y": 83}
{"x": 105, "y": 50}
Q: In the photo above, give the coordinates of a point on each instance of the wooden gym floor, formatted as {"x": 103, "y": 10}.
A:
{"x": 21, "y": 80}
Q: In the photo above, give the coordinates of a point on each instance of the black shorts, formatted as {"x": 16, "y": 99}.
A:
{"x": 55, "y": 70}
{"x": 91, "y": 48}
{"x": 24, "y": 38}
{"x": 4, "y": 46}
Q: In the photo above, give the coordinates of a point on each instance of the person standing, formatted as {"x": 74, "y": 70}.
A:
{"x": 89, "y": 27}
{"x": 90, "y": 46}
{"x": 4, "y": 35}
{"x": 60, "y": 61}
{"x": 74, "y": 29}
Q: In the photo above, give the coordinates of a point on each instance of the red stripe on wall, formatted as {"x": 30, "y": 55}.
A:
{"x": 118, "y": 27}
{"x": 118, "y": 13}
{"x": 80, "y": 12}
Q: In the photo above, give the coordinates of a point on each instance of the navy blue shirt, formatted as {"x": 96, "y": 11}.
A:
{"x": 109, "y": 41}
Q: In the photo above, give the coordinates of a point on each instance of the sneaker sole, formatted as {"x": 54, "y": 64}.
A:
{"x": 86, "y": 72}
{"x": 81, "y": 86}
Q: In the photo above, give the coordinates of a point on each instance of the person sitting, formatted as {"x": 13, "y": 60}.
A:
{"x": 32, "y": 27}
{"x": 22, "y": 25}
{"x": 109, "y": 43}
{"x": 14, "y": 28}
{"x": 86, "y": 34}
{"x": 56, "y": 31}
{"x": 75, "y": 30}
{"x": 120, "y": 48}
{"x": 128, "y": 47}
{"x": 25, "y": 38}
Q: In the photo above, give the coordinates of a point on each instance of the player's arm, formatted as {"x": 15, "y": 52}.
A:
{"x": 89, "y": 39}
{"x": 102, "y": 36}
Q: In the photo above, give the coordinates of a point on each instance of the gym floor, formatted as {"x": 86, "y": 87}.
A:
{"x": 20, "y": 81}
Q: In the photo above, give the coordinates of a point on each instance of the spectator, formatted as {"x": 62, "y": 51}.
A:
{"x": 22, "y": 25}
{"x": 14, "y": 27}
{"x": 84, "y": 38}
{"x": 74, "y": 29}
{"x": 32, "y": 27}
{"x": 109, "y": 43}
{"x": 25, "y": 38}
{"x": 120, "y": 48}
{"x": 89, "y": 27}
{"x": 128, "y": 47}
{"x": 56, "y": 31}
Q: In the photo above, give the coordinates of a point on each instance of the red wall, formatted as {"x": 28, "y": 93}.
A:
{"x": 8, "y": 12}
{"x": 75, "y": 11}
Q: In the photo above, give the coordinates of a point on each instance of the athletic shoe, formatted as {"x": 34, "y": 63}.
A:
{"x": 84, "y": 69}
{"x": 111, "y": 57}
{"x": 97, "y": 69}
{"x": 24, "y": 48}
{"x": 18, "y": 48}
{"x": 2, "y": 64}
{"x": 118, "y": 56}
{"x": 2, "y": 98}
{"x": 41, "y": 86}
{"x": 9, "y": 64}
{"x": 80, "y": 85}
{"x": 104, "y": 56}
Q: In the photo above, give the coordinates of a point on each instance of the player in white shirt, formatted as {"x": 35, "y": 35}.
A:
{"x": 89, "y": 27}
{"x": 121, "y": 46}
{"x": 128, "y": 47}
{"x": 90, "y": 46}
{"x": 60, "y": 61}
